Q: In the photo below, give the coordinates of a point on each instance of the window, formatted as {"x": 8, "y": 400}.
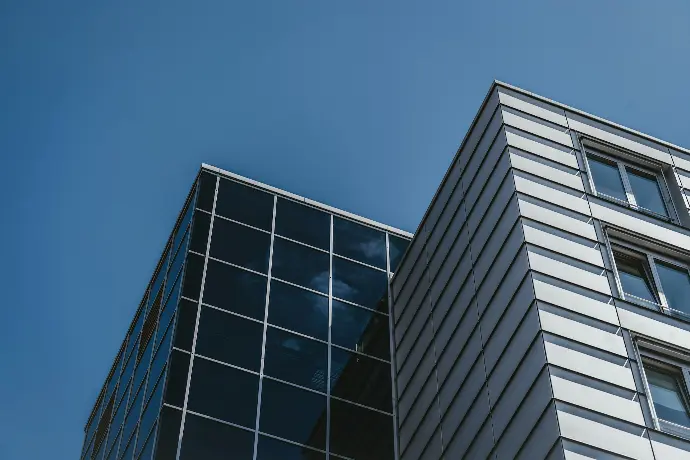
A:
{"x": 650, "y": 278}
{"x": 666, "y": 371}
{"x": 633, "y": 185}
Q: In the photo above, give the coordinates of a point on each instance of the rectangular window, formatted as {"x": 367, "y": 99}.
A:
{"x": 666, "y": 372}
{"x": 650, "y": 278}
{"x": 636, "y": 186}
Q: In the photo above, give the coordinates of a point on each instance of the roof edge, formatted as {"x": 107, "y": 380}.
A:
{"x": 313, "y": 203}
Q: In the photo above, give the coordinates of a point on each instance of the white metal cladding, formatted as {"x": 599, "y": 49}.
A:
{"x": 512, "y": 338}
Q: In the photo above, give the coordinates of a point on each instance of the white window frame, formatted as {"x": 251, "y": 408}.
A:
{"x": 650, "y": 257}
{"x": 651, "y": 353}
{"x": 623, "y": 166}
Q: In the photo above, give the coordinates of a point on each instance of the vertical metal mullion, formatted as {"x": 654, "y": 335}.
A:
{"x": 330, "y": 324}
{"x": 196, "y": 323}
{"x": 657, "y": 281}
{"x": 391, "y": 340}
{"x": 626, "y": 184}
{"x": 645, "y": 383}
{"x": 265, "y": 324}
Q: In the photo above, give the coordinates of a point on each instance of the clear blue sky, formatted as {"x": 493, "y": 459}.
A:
{"x": 108, "y": 108}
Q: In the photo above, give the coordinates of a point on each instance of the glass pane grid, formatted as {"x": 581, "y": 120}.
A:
{"x": 294, "y": 346}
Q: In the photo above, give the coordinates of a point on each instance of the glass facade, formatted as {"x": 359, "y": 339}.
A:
{"x": 264, "y": 334}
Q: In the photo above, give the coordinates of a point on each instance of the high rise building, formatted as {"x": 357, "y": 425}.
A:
{"x": 541, "y": 311}
{"x": 263, "y": 334}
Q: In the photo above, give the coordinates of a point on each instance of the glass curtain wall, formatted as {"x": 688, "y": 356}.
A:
{"x": 282, "y": 345}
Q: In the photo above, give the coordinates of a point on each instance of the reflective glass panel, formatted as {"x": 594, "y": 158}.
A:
{"x": 147, "y": 449}
{"x": 152, "y": 408}
{"x": 360, "y": 329}
{"x": 359, "y": 284}
{"x": 668, "y": 400}
{"x": 236, "y": 290}
{"x": 207, "y": 189}
{"x": 223, "y": 392}
{"x": 358, "y": 242}
{"x": 360, "y": 433}
{"x": 296, "y": 359}
{"x": 240, "y": 245}
{"x": 134, "y": 335}
{"x": 177, "y": 379}
{"x": 607, "y": 178}
{"x": 244, "y": 204}
{"x": 143, "y": 366}
{"x": 206, "y": 439}
{"x": 298, "y": 310}
{"x": 676, "y": 285}
{"x": 112, "y": 446}
{"x": 127, "y": 373}
{"x": 647, "y": 193}
{"x": 230, "y": 339}
{"x": 128, "y": 451}
{"x": 304, "y": 411}
{"x": 202, "y": 222}
{"x": 161, "y": 356}
{"x": 169, "y": 427}
{"x": 634, "y": 279}
{"x": 361, "y": 379}
{"x": 303, "y": 223}
{"x": 133, "y": 417}
{"x": 300, "y": 265}
{"x": 186, "y": 320}
{"x": 172, "y": 284}
{"x": 192, "y": 276}
{"x": 273, "y": 449}
{"x": 121, "y": 408}
{"x": 397, "y": 247}
{"x": 167, "y": 314}
{"x": 182, "y": 229}
{"x": 115, "y": 426}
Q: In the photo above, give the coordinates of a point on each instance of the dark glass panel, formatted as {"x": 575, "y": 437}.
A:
{"x": 358, "y": 242}
{"x": 294, "y": 414}
{"x": 152, "y": 408}
{"x": 167, "y": 314}
{"x": 128, "y": 451}
{"x": 361, "y": 379}
{"x": 676, "y": 284}
{"x": 177, "y": 379}
{"x": 161, "y": 356}
{"x": 303, "y": 223}
{"x": 359, "y": 284}
{"x": 206, "y": 439}
{"x": 244, "y": 204}
{"x": 112, "y": 446}
{"x": 102, "y": 429}
{"x": 667, "y": 396}
{"x": 194, "y": 269}
{"x": 182, "y": 229}
{"x": 298, "y": 310}
{"x": 360, "y": 433}
{"x": 360, "y": 329}
{"x": 300, "y": 265}
{"x": 134, "y": 335}
{"x": 234, "y": 289}
{"x": 174, "y": 272}
{"x": 127, "y": 372}
{"x": 143, "y": 366}
{"x": 147, "y": 448}
{"x": 186, "y": 320}
{"x": 155, "y": 291}
{"x": 296, "y": 359}
{"x": 273, "y": 449}
{"x": 120, "y": 411}
{"x": 240, "y": 245}
{"x": 133, "y": 416}
{"x": 114, "y": 376}
{"x": 202, "y": 222}
{"x": 633, "y": 273}
{"x": 397, "y": 247}
{"x": 647, "y": 193}
{"x": 230, "y": 339}
{"x": 223, "y": 392}
{"x": 607, "y": 178}
{"x": 115, "y": 428}
{"x": 169, "y": 432}
{"x": 207, "y": 190}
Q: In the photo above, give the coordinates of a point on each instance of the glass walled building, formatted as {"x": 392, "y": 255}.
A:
{"x": 263, "y": 334}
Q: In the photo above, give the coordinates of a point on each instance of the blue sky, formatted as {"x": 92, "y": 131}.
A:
{"x": 108, "y": 108}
